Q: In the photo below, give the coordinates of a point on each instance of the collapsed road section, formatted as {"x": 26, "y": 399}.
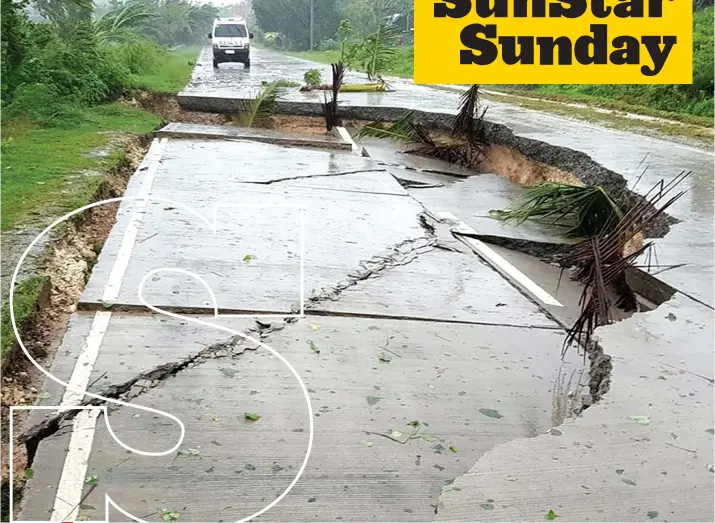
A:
{"x": 432, "y": 359}
{"x": 400, "y": 320}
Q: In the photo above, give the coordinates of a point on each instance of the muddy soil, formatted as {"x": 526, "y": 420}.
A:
{"x": 67, "y": 264}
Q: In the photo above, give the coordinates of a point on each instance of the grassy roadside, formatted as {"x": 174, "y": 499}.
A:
{"x": 173, "y": 75}
{"x": 545, "y": 93}
{"x": 679, "y": 131}
{"x": 47, "y": 172}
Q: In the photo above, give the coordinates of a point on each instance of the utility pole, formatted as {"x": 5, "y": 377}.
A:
{"x": 311, "y": 25}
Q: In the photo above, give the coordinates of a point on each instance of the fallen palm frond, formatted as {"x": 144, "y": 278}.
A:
{"x": 582, "y": 211}
{"x": 600, "y": 262}
{"x": 469, "y": 123}
{"x": 330, "y": 107}
{"x": 258, "y": 110}
{"x": 404, "y": 130}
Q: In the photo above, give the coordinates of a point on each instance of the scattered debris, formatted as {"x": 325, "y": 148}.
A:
{"x": 170, "y": 515}
{"x": 366, "y": 443}
{"x": 384, "y": 358}
{"x": 189, "y": 453}
{"x": 372, "y": 400}
{"x": 652, "y": 514}
{"x": 314, "y": 347}
{"x": 641, "y": 420}
{"x": 491, "y": 413}
{"x": 251, "y": 416}
{"x": 487, "y": 506}
{"x": 628, "y": 482}
{"x": 91, "y": 480}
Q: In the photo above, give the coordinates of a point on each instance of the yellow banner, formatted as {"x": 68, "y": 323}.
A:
{"x": 553, "y": 42}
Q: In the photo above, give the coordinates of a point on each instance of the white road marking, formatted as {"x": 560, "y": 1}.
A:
{"x": 345, "y": 135}
{"x": 497, "y": 261}
{"x": 74, "y": 470}
{"x": 86, "y": 360}
{"x": 69, "y": 489}
{"x": 121, "y": 262}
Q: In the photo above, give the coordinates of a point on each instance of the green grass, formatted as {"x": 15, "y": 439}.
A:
{"x": 27, "y": 293}
{"x": 173, "y": 74}
{"x": 575, "y": 94}
{"x": 40, "y": 166}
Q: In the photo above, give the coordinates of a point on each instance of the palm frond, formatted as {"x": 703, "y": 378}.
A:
{"x": 404, "y": 129}
{"x": 600, "y": 261}
{"x": 469, "y": 123}
{"x": 582, "y": 211}
{"x": 380, "y": 49}
{"x": 258, "y": 110}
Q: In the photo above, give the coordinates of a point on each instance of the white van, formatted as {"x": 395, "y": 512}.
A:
{"x": 230, "y": 39}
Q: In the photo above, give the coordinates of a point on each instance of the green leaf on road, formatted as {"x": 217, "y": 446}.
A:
{"x": 491, "y": 413}
{"x": 551, "y": 515}
{"x": 228, "y": 372}
{"x": 170, "y": 515}
{"x": 251, "y": 416}
{"x": 372, "y": 400}
{"x": 91, "y": 480}
{"x": 453, "y": 449}
{"x": 413, "y": 423}
{"x": 366, "y": 443}
{"x": 29, "y": 473}
{"x": 189, "y": 453}
{"x": 641, "y": 420}
{"x": 487, "y": 506}
{"x": 429, "y": 437}
{"x": 384, "y": 358}
{"x": 314, "y": 327}
{"x": 652, "y": 514}
{"x": 396, "y": 434}
{"x": 248, "y": 257}
{"x": 629, "y": 481}
{"x": 314, "y": 347}
{"x": 215, "y": 419}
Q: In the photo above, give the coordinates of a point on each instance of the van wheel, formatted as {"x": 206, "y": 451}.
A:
{"x": 247, "y": 63}
{"x": 215, "y": 64}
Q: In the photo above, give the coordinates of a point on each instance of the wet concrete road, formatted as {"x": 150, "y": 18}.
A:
{"x": 407, "y": 335}
{"x": 433, "y": 381}
{"x": 625, "y": 153}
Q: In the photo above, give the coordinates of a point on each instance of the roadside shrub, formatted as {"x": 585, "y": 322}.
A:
{"x": 312, "y": 77}
{"x": 42, "y": 104}
{"x": 138, "y": 56}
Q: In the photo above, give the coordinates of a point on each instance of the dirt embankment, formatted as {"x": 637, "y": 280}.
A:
{"x": 67, "y": 263}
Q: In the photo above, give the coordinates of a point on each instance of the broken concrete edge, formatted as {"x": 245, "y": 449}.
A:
{"x": 571, "y": 161}
{"x": 286, "y": 141}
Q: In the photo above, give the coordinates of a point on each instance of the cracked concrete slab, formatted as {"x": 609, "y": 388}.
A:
{"x": 441, "y": 285}
{"x": 257, "y": 219}
{"x": 645, "y": 451}
{"x": 369, "y": 376}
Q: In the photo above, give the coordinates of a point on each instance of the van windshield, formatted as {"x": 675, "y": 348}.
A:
{"x": 228, "y": 31}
